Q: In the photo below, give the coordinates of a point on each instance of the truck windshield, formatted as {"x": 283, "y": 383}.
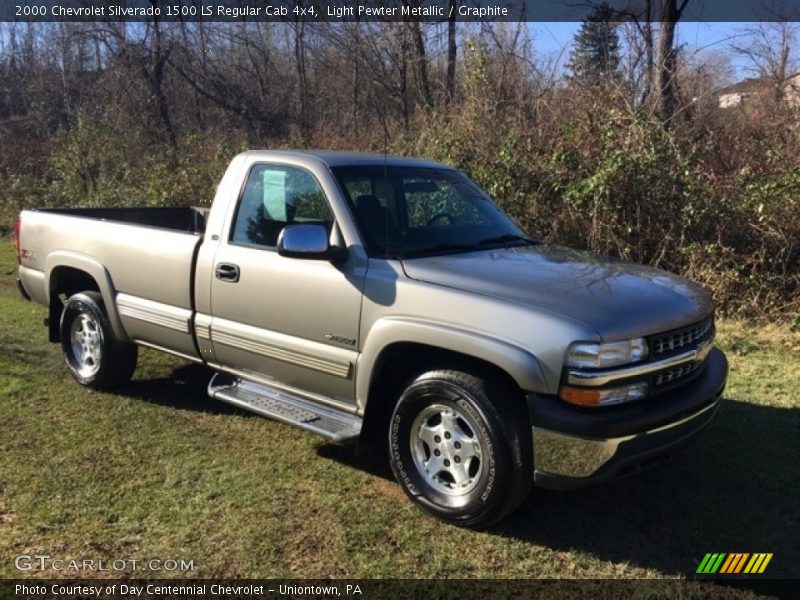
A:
{"x": 405, "y": 212}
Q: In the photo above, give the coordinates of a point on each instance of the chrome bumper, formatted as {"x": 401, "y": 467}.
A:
{"x": 570, "y": 459}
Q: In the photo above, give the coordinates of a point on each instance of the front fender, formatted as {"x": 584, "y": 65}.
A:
{"x": 520, "y": 364}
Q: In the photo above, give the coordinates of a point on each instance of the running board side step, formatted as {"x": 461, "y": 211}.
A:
{"x": 336, "y": 425}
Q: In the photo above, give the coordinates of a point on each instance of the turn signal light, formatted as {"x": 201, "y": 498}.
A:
{"x": 594, "y": 397}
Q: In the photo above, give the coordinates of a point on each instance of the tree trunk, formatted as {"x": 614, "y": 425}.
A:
{"x": 647, "y": 33}
{"x": 664, "y": 83}
{"x": 354, "y": 99}
{"x": 302, "y": 82}
{"x": 422, "y": 64}
{"x": 450, "y": 87}
{"x": 156, "y": 79}
{"x": 782, "y": 72}
{"x": 402, "y": 36}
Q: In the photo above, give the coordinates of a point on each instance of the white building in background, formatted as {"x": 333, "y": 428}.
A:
{"x": 748, "y": 90}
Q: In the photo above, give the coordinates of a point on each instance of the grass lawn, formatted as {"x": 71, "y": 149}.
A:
{"x": 157, "y": 470}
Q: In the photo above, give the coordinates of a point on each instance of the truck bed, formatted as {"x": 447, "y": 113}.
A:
{"x": 176, "y": 218}
{"x": 141, "y": 259}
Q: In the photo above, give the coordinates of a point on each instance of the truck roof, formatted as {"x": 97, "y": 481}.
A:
{"x": 341, "y": 159}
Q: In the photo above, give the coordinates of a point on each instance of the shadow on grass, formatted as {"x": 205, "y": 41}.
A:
{"x": 184, "y": 389}
{"x": 18, "y": 353}
{"x": 733, "y": 488}
{"x": 373, "y": 460}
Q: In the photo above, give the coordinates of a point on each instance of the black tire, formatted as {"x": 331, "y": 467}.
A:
{"x": 460, "y": 406}
{"x": 94, "y": 355}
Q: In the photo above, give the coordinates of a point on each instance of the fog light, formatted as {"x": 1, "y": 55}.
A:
{"x": 595, "y": 397}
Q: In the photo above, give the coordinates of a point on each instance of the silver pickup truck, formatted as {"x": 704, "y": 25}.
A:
{"x": 388, "y": 301}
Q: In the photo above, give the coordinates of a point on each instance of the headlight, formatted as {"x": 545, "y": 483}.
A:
{"x": 598, "y": 356}
{"x": 594, "y": 397}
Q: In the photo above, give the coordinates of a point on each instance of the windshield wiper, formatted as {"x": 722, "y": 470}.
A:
{"x": 439, "y": 248}
{"x": 506, "y": 238}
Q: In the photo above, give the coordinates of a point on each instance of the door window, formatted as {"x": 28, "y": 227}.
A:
{"x": 274, "y": 197}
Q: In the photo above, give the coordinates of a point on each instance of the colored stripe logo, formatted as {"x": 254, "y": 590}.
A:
{"x": 734, "y": 563}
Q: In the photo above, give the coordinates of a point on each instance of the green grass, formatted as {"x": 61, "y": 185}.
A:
{"x": 157, "y": 470}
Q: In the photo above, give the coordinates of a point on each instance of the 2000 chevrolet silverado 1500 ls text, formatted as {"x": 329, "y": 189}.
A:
{"x": 388, "y": 300}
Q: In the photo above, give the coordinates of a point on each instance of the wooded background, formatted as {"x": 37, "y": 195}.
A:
{"x": 625, "y": 152}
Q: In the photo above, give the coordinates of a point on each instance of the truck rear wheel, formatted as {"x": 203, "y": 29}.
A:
{"x": 94, "y": 355}
{"x": 460, "y": 447}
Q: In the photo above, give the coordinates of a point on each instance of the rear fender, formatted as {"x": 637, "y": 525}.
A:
{"x": 96, "y": 271}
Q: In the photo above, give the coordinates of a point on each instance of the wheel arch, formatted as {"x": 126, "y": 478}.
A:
{"x": 69, "y": 273}
{"x": 398, "y": 349}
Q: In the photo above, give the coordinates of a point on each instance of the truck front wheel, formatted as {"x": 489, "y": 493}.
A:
{"x": 460, "y": 447}
{"x": 94, "y": 355}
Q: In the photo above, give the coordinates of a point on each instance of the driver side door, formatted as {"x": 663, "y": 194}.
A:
{"x": 286, "y": 320}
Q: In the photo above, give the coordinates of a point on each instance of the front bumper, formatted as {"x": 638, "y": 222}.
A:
{"x": 576, "y": 446}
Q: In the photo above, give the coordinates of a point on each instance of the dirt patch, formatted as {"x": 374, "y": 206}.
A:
{"x": 389, "y": 489}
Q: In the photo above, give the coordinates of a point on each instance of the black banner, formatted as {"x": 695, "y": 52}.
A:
{"x": 460, "y": 589}
{"x": 384, "y": 10}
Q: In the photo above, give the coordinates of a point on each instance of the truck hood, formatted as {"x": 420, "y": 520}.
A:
{"x": 615, "y": 298}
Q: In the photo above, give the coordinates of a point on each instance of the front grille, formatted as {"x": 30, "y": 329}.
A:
{"x": 684, "y": 338}
{"x": 676, "y": 373}
{"x": 659, "y": 371}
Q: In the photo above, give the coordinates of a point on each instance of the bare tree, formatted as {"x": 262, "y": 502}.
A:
{"x": 302, "y": 77}
{"x": 659, "y": 52}
{"x": 663, "y": 83}
{"x": 421, "y": 62}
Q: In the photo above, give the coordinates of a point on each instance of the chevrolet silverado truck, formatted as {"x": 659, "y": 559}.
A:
{"x": 388, "y": 301}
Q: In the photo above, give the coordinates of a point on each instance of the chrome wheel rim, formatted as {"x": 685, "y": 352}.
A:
{"x": 86, "y": 341}
{"x": 446, "y": 450}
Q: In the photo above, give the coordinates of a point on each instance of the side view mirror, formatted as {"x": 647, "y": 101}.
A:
{"x": 309, "y": 242}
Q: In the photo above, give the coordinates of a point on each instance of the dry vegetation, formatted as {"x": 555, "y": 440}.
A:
{"x": 151, "y": 113}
